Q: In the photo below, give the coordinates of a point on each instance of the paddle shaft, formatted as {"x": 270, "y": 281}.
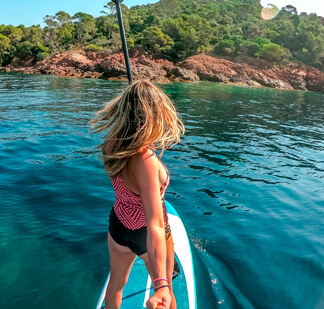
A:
{"x": 123, "y": 38}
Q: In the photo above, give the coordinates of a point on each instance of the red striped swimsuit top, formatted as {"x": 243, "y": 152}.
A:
{"x": 128, "y": 205}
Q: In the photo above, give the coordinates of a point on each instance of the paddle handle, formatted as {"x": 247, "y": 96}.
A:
{"x": 123, "y": 38}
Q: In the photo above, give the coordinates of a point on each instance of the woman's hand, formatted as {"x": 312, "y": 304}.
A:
{"x": 161, "y": 299}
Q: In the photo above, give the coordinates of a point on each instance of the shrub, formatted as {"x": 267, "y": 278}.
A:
{"x": 92, "y": 47}
{"x": 225, "y": 47}
{"x": 250, "y": 48}
{"x": 261, "y": 41}
{"x": 272, "y": 52}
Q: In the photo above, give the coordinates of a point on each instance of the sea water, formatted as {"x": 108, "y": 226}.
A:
{"x": 247, "y": 181}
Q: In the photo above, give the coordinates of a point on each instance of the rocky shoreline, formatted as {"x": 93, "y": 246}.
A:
{"x": 241, "y": 70}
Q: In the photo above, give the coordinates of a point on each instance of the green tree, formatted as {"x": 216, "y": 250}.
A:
{"x": 40, "y": 52}
{"x": 51, "y": 30}
{"x": 130, "y": 42}
{"x": 172, "y": 27}
{"x": 111, "y": 17}
{"x": 167, "y": 8}
{"x": 59, "y": 30}
{"x": 272, "y": 52}
{"x": 24, "y": 50}
{"x": 250, "y": 48}
{"x": 32, "y": 34}
{"x": 225, "y": 47}
{"x": 261, "y": 41}
{"x": 315, "y": 45}
{"x": 104, "y": 26}
{"x": 136, "y": 22}
{"x": 29, "y": 51}
{"x": 220, "y": 32}
{"x": 14, "y": 34}
{"x": 65, "y": 28}
{"x": 272, "y": 35}
{"x": 287, "y": 34}
{"x": 105, "y": 23}
{"x": 228, "y": 26}
{"x": 4, "y": 46}
{"x": 100, "y": 41}
{"x": 111, "y": 9}
{"x": 305, "y": 56}
{"x": 189, "y": 32}
{"x": 244, "y": 11}
{"x": 2, "y": 29}
{"x": 63, "y": 18}
{"x": 155, "y": 41}
{"x": 65, "y": 34}
{"x": 290, "y": 10}
{"x": 85, "y": 26}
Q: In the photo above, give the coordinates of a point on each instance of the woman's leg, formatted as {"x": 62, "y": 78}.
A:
{"x": 170, "y": 266}
{"x": 121, "y": 261}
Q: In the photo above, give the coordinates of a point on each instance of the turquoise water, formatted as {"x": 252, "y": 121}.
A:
{"x": 247, "y": 181}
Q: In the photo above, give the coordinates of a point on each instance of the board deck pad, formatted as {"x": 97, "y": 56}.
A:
{"x": 136, "y": 291}
{"x": 139, "y": 286}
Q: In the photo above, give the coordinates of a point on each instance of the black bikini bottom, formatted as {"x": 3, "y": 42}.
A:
{"x": 133, "y": 239}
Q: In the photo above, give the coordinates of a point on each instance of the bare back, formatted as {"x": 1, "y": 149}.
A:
{"x": 127, "y": 174}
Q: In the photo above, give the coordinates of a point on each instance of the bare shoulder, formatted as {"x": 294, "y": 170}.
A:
{"x": 144, "y": 163}
{"x": 144, "y": 170}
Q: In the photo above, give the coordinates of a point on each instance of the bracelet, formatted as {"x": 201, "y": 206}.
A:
{"x": 159, "y": 305}
{"x": 160, "y": 279}
{"x": 161, "y": 286}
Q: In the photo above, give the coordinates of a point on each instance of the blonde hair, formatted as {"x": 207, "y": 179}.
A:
{"x": 141, "y": 116}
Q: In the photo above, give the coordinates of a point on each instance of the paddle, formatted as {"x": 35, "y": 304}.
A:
{"x": 130, "y": 79}
{"x": 123, "y": 38}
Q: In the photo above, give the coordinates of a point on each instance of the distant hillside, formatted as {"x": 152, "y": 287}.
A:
{"x": 175, "y": 30}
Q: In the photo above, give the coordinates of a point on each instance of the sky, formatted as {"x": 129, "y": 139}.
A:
{"x": 308, "y": 6}
{"x": 32, "y": 12}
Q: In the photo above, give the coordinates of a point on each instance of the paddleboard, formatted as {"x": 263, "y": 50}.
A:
{"x": 139, "y": 286}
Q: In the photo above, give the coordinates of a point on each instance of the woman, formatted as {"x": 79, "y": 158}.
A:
{"x": 139, "y": 121}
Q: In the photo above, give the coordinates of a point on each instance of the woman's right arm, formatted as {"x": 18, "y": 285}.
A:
{"x": 146, "y": 174}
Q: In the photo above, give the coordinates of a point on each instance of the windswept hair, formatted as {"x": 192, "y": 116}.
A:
{"x": 141, "y": 116}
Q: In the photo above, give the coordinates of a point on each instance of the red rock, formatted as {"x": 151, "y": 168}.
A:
{"x": 314, "y": 80}
{"x": 181, "y": 74}
{"x": 243, "y": 70}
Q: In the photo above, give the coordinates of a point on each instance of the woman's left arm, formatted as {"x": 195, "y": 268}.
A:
{"x": 146, "y": 174}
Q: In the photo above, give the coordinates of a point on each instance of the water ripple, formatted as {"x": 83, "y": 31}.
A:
{"x": 246, "y": 180}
